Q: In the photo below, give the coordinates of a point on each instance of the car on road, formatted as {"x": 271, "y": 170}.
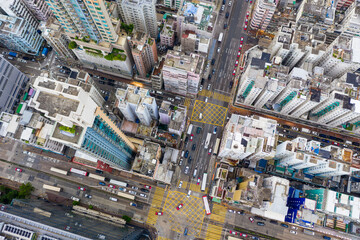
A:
{"x": 133, "y": 204}
{"x": 88, "y": 196}
{"x": 144, "y": 190}
{"x": 18, "y": 169}
{"x": 81, "y": 188}
{"x": 210, "y": 150}
{"x": 225, "y": 26}
{"x": 231, "y": 211}
{"x": 295, "y": 128}
{"x": 335, "y": 143}
{"x": 294, "y": 228}
{"x": 236, "y": 63}
{"x": 243, "y": 234}
{"x": 215, "y": 130}
{"x": 61, "y": 70}
{"x": 189, "y": 194}
{"x": 159, "y": 213}
{"x": 209, "y": 77}
{"x": 247, "y": 14}
{"x": 198, "y": 181}
{"x": 227, "y": 14}
{"x": 213, "y": 71}
{"x": 198, "y": 130}
{"x": 135, "y": 188}
{"x": 234, "y": 72}
{"x": 143, "y": 195}
{"x": 186, "y": 153}
{"x": 251, "y": 219}
{"x": 242, "y": 40}
{"x": 189, "y": 160}
{"x": 180, "y": 184}
{"x": 191, "y": 138}
{"x": 179, "y": 206}
{"x": 208, "y": 87}
{"x": 22, "y": 60}
{"x": 201, "y": 88}
{"x": 293, "y": 232}
{"x": 230, "y": 3}
{"x": 193, "y": 147}
{"x": 111, "y": 186}
{"x": 231, "y": 84}
{"x": 186, "y": 171}
{"x": 233, "y": 232}
{"x": 240, "y": 47}
{"x": 122, "y": 189}
{"x": 102, "y": 183}
{"x": 260, "y": 223}
{"x": 315, "y": 133}
{"x": 239, "y": 53}
{"x": 241, "y": 212}
{"x": 284, "y": 225}
{"x": 132, "y": 192}
{"x": 274, "y": 222}
{"x": 213, "y": 61}
{"x": 245, "y": 27}
{"x": 222, "y": 8}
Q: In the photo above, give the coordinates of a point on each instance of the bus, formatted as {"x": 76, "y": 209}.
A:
{"x": 52, "y": 188}
{"x": 206, "y": 205}
{"x": 190, "y": 129}
{"x": 119, "y": 183}
{"x": 97, "y": 177}
{"x": 125, "y": 195}
{"x": 207, "y": 141}
{"x": 203, "y": 184}
{"x": 77, "y": 171}
{"x": 63, "y": 172}
{"x": 216, "y": 148}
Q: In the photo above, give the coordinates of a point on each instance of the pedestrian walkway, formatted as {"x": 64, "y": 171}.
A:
{"x": 218, "y": 213}
{"x": 187, "y": 102}
{"x": 213, "y": 232}
{"x": 215, "y": 95}
{"x": 156, "y": 206}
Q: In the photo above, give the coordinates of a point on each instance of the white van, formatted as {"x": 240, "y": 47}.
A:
{"x": 189, "y": 193}
{"x": 113, "y": 199}
{"x": 195, "y": 172}
{"x": 182, "y": 154}
{"x": 200, "y": 116}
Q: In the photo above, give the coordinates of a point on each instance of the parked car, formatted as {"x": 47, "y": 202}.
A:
{"x": 159, "y": 213}
{"x": 81, "y": 188}
{"x": 18, "y": 169}
{"x": 260, "y": 223}
{"x": 180, "y": 184}
{"x": 179, "y": 206}
{"x": 143, "y": 195}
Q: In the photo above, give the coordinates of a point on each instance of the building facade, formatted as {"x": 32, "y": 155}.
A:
{"x": 19, "y": 35}
{"x": 140, "y": 13}
{"x": 264, "y": 11}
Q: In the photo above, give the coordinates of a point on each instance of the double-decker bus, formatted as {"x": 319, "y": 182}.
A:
{"x": 216, "y": 148}
{"x": 57, "y": 170}
{"x": 97, "y": 177}
{"x": 125, "y": 195}
{"x": 52, "y": 188}
{"x": 206, "y": 205}
{"x": 203, "y": 184}
{"x": 207, "y": 141}
{"x": 118, "y": 183}
{"x": 80, "y": 172}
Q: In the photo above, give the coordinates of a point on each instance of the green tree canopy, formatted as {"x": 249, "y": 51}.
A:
{"x": 72, "y": 45}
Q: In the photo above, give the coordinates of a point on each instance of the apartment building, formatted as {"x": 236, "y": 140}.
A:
{"x": 39, "y": 8}
{"x": 264, "y": 11}
{"x": 141, "y": 13}
{"x": 18, "y": 8}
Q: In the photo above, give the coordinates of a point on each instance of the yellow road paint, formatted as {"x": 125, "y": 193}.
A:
{"x": 211, "y": 113}
{"x": 213, "y": 232}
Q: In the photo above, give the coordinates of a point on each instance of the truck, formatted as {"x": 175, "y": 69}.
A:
{"x": 305, "y": 130}
{"x": 207, "y": 141}
{"x": 13, "y": 54}
{"x": 44, "y": 52}
{"x": 190, "y": 129}
{"x": 220, "y": 37}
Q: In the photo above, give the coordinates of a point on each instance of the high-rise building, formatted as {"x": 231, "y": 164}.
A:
{"x": 182, "y": 73}
{"x": 140, "y": 13}
{"x": 173, "y": 4}
{"x": 55, "y": 35}
{"x": 144, "y": 52}
{"x": 137, "y": 105}
{"x": 19, "y": 9}
{"x": 350, "y": 25}
{"x": 80, "y": 122}
{"x": 19, "y": 35}
{"x": 264, "y": 10}
{"x": 85, "y": 19}
{"x": 12, "y": 85}
{"x": 39, "y": 8}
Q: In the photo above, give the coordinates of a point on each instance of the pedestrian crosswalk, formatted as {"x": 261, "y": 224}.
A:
{"x": 156, "y": 206}
{"x": 215, "y": 95}
{"x": 213, "y": 232}
{"x": 218, "y": 213}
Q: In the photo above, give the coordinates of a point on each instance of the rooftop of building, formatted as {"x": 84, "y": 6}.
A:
{"x": 200, "y": 14}
{"x": 179, "y": 60}
{"x": 10, "y": 24}
{"x": 178, "y": 118}
{"x": 56, "y": 104}
{"x": 138, "y": 40}
{"x": 147, "y": 159}
{"x": 158, "y": 69}
{"x": 167, "y": 31}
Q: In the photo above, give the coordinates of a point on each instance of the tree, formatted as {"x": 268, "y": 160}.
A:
{"x": 91, "y": 206}
{"x": 127, "y": 28}
{"x": 76, "y": 203}
{"x": 126, "y": 218}
{"x": 25, "y": 190}
{"x": 72, "y": 45}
